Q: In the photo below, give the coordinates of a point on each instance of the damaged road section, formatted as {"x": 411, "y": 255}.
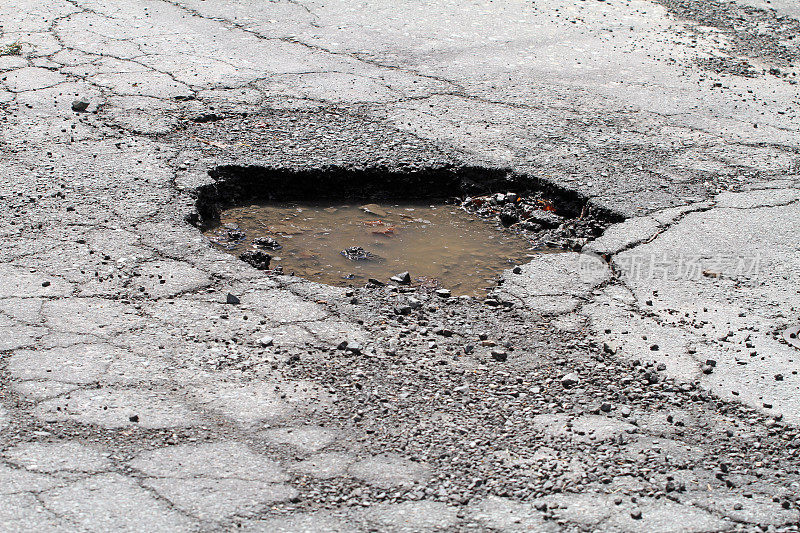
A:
{"x": 423, "y": 218}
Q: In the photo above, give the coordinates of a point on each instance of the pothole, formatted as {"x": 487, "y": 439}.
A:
{"x": 452, "y": 228}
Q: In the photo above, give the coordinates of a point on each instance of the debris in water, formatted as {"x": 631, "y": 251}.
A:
{"x": 357, "y": 253}
{"x": 267, "y": 243}
{"x": 256, "y": 258}
{"x": 373, "y": 209}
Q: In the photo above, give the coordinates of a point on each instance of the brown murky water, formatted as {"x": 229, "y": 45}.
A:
{"x": 439, "y": 245}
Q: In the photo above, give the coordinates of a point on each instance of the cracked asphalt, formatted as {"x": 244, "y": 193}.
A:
{"x": 643, "y": 384}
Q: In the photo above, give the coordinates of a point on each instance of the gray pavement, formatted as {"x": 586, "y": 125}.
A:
{"x": 645, "y": 384}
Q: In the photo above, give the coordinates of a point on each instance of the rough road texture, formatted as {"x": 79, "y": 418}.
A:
{"x": 651, "y": 391}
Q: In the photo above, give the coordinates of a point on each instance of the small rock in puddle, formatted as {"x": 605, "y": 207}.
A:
{"x": 267, "y": 243}
{"x": 374, "y": 209}
{"x": 256, "y": 258}
{"x": 357, "y": 253}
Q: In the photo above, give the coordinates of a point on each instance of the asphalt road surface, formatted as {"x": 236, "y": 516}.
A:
{"x": 642, "y": 382}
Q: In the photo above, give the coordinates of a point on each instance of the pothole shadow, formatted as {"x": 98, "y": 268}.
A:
{"x": 235, "y": 184}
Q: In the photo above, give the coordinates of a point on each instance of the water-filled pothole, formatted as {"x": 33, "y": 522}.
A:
{"x": 348, "y": 227}
{"x": 341, "y": 244}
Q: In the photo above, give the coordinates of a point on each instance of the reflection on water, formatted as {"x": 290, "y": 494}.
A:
{"x": 438, "y": 244}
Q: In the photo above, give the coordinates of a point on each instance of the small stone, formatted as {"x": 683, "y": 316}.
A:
{"x": 231, "y": 299}
{"x": 357, "y": 253}
{"x": 711, "y": 362}
{"x": 206, "y": 117}
{"x": 444, "y": 332}
{"x": 499, "y": 355}
{"x": 414, "y": 303}
{"x": 778, "y": 377}
{"x": 469, "y": 348}
{"x": 256, "y": 258}
{"x": 134, "y": 418}
{"x": 354, "y": 346}
{"x": 517, "y": 270}
{"x": 443, "y": 293}
{"x": 738, "y": 507}
{"x": 403, "y": 310}
{"x": 375, "y": 282}
{"x": 625, "y": 411}
{"x": 707, "y": 369}
{"x": 266, "y": 341}
{"x": 570, "y": 380}
{"x": 509, "y": 216}
{"x": 636, "y": 514}
{"x": 80, "y": 105}
{"x": 605, "y": 407}
{"x": 404, "y": 278}
{"x": 267, "y": 243}
{"x": 45, "y": 284}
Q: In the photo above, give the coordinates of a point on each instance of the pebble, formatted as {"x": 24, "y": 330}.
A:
{"x": 636, "y": 514}
{"x": 443, "y": 293}
{"x": 267, "y": 243}
{"x": 80, "y": 105}
{"x": 256, "y": 258}
{"x": 231, "y": 299}
{"x": 517, "y": 270}
{"x": 403, "y": 278}
{"x": 499, "y": 355}
{"x": 266, "y": 341}
{"x": 605, "y": 407}
{"x": 570, "y": 379}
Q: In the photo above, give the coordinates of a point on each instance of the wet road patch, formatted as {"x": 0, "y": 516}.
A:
{"x": 435, "y": 228}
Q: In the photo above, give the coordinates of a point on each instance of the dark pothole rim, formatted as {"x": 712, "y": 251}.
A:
{"x": 236, "y": 184}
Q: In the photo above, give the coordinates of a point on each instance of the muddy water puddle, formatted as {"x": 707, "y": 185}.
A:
{"x": 439, "y": 245}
